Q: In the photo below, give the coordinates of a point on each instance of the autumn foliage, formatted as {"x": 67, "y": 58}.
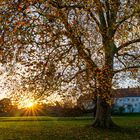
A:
{"x": 72, "y": 46}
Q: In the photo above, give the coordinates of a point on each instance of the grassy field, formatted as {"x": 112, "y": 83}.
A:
{"x": 52, "y": 128}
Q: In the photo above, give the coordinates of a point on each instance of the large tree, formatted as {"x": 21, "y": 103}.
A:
{"x": 79, "y": 45}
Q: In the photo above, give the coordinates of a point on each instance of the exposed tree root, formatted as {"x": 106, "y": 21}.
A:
{"x": 105, "y": 124}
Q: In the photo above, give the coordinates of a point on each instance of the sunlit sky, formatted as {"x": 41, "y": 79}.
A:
{"x": 122, "y": 83}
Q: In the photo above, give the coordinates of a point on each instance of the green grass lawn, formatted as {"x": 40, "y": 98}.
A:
{"x": 52, "y": 128}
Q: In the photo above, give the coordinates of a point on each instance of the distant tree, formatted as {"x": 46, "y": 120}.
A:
{"x": 77, "y": 45}
{"x": 6, "y": 105}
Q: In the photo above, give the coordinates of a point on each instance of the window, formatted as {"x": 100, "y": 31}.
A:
{"x": 128, "y": 99}
{"x": 137, "y": 99}
{"x": 135, "y": 104}
{"x": 133, "y": 99}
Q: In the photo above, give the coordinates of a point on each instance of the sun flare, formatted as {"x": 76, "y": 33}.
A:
{"x": 27, "y": 103}
{"x": 30, "y": 104}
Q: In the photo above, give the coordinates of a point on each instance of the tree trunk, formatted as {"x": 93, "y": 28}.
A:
{"x": 104, "y": 99}
{"x": 104, "y": 93}
{"x": 103, "y": 115}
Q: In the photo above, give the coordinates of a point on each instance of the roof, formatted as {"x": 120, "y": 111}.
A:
{"x": 118, "y": 93}
{"x": 127, "y": 92}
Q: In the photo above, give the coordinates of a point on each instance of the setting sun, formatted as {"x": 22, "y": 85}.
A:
{"x": 27, "y": 103}
{"x": 30, "y": 104}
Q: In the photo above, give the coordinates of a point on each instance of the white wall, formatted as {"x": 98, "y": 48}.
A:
{"x": 129, "y": 101}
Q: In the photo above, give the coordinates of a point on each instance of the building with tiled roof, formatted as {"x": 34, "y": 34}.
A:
{"x": 127, "y": 92}
{"x": 126, "y": 98}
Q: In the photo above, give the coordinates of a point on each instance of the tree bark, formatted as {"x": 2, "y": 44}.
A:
{"x": 103, "y": 115}
{"x": 104, "y": 99}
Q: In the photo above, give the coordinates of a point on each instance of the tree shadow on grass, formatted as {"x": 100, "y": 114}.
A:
{"x": 129, "y": 132}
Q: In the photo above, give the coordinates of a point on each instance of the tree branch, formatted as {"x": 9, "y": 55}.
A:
{"x": 126, "y": 18}
{"x": 77, "y": 42}
{"x": 126, "y": 69}
{"x": 59, "y": 5}
{"x": 94, "y": 18}
{"x": 128, "y": 43}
